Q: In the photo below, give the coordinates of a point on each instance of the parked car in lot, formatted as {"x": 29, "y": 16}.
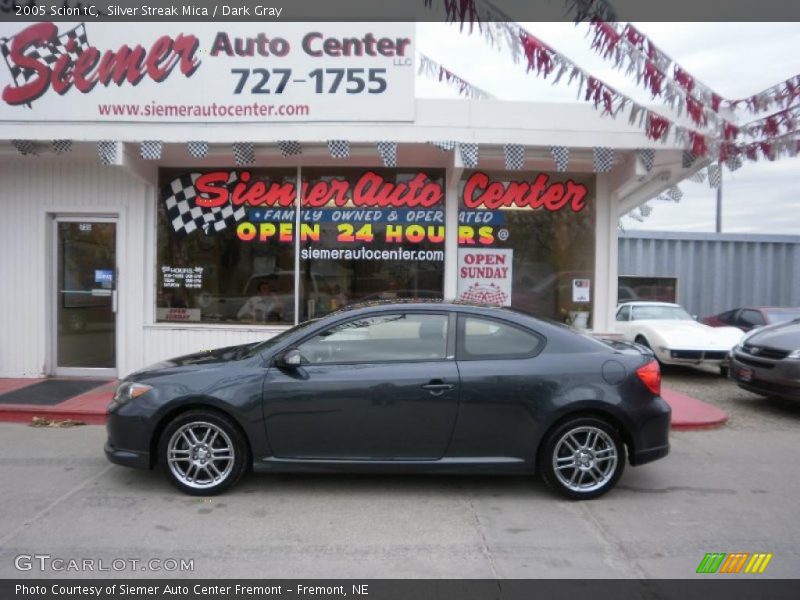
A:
{"x": 750, "y": 317}
{"x": 674, "y": 337}
{"x": 767, "y": 361}
{"x": 399, "y": 387}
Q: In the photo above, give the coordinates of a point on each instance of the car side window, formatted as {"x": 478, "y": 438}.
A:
{"x": 380, "y": 338}
{"x": 624, "y": 313}
{"x": 751, "y": 318}
{"x": 487, "y": 339}
{"x": 728, "y": 317}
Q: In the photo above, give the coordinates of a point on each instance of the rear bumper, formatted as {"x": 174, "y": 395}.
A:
{"x": 651, "y": 437}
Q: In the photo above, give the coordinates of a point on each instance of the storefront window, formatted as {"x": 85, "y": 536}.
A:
{"x": 370, "y": 234}
{"x": 226, "y": 242}
{"x": 226, "y": 261}
{"x": 527, "y": 240}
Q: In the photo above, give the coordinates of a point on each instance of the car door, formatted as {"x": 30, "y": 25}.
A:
{"x": 383, "y": 386}
{"x": 507, "y": 388}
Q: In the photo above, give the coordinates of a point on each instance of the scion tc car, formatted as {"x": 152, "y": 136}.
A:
{"x": 674, "y": 337}
{"x": 400, "y": 387}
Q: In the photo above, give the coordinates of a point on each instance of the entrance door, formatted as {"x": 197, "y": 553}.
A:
{"x": 85, "y": 296}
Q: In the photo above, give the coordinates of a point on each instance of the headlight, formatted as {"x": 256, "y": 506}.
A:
{"x": 129, "y": 390}
{"x": 795, "y": 354}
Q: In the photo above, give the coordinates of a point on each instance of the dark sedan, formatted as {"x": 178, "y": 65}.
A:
{"x": 399, "y": 387}
{"x": 767, "y": 361}
{"x": 750, "y": 317}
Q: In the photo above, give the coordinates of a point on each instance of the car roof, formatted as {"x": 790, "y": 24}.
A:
{"x": 420, "y": 303}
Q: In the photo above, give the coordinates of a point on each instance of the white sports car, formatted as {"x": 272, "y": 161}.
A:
{"x": 674, "y": 337}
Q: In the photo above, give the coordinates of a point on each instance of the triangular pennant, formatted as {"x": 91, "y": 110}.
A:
{"x": 107, "y": 151}
{"x": 243, "y": 153}
{"x": 674, "y": 193}
{"x": 647, "y": 156}
{"x": 339, "y": 148}
{"x": 698, "y": 177}
{"x": 289, "y": 148}
{"x": 687, "y": 159}
{"x": 388, "y": 152}
{"x": 714, "y": 176}
{"x": 25, "y": 147}
{"x": 561, "y": 156}
{"x": 150, "y": 150}
{"x": 469, "y": 155}
{"x": 444, "y": 146}
{"x": 734, "y": 162}
{"x": 602, "y": 159}
{"x": 62, "y": 146}
{"x": 515, "y": 156}
{"x": 197, "y": 149}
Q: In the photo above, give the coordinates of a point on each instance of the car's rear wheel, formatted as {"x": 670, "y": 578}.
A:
{"x": 582, "y": 458}
{"x": 203, "y": 452}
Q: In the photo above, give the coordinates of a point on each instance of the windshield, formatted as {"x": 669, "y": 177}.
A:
{"x": 266, "y": 344}
{"x": 782, "y": 316}
{"x": 659, "y": 313}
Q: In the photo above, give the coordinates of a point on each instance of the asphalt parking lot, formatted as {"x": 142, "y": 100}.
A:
{"x": 733, "y": 489}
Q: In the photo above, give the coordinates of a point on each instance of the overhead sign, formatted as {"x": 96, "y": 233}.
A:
{"x": 207, "y": 72}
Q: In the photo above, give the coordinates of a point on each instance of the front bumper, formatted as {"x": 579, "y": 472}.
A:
{"x": 692, "y": 356}
{"x": 650, "y": 439}
{"x": 127, "y": 458}
{"x": 766, "y": 376}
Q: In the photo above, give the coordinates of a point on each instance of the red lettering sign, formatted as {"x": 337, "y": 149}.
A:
{"x": 481, "y": 192}
{"x": 91, "y": 67}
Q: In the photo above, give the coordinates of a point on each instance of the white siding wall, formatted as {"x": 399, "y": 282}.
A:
{"x": 34, "y": 188}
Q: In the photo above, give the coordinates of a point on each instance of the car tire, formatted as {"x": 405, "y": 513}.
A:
{"x": 582, "y": 458}
{"x": 203, "y": 452}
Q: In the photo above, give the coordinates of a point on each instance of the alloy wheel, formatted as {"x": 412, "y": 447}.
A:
{"x": 200, "y": 455}
{"x": 585, "y": 459}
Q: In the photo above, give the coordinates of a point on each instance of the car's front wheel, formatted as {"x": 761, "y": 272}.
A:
{"x": 203, "y": 452}
{"x": 582, "y": 458}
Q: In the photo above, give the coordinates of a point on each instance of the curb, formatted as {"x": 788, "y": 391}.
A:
{"x": 690, "y": 414}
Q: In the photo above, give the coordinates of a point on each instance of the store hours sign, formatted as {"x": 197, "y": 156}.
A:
{"x": 206, "y": 72}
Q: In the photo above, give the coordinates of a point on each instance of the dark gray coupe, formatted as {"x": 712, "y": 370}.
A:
{"x": 397, "y": 387}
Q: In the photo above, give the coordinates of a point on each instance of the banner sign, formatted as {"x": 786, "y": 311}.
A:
{"x": 207, "y": 72}
{"x": 485, "y": 275}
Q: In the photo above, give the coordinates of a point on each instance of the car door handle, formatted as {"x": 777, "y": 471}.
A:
{"x": 437, "y": 387}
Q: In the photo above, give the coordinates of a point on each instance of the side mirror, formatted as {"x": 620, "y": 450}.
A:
{"x": 291, "y": 359}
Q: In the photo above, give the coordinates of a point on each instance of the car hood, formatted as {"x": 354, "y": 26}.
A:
{"x": 189, "y": 362}
{"x": 691, "y": 334}
{"x": 785, "y": 336}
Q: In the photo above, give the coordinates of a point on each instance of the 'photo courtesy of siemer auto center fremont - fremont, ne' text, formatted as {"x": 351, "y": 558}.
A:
{"x": 430, "y": 298}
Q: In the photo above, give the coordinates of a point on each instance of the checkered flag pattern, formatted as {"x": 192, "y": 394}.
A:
{"x": 197, "y": 149}
{"x": 290, "y": 148}
{"x": 62, "y": 146}
{"x": 186, "y": 216}
{"x": 647, "y": 156}
{"x": 674, "y": 193}
{"x": 734, "y": 163}
{"x": 687, "y": 160}
{"x": 603, "y": 159}
{"x": 107, "y": 151}
{"x": 698, "y": 177}
{"x": 150, "y": 149}
{"x": 444, "y": 146}
{"x": 72, "y": 43}
{"x": 645, "y": 210}
{"x": 25, "y": 147}
{"x": 388, "y": 152}
{"x": 714, "y": 175}
{"x": 469, "y": 155}
{"x": 243, "y": 153}
{"x": 560, "y": 154}
{"x": 515, "y": 156}
{"x": 339, "y": 148}
{"x": 484, "y": 294}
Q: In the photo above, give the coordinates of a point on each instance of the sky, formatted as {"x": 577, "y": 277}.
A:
{"x": 734, "y": 59}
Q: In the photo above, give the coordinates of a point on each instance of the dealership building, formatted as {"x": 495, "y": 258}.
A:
{"x": 198, "y": 194}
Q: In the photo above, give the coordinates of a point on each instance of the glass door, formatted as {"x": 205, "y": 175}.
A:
{"x": 86, "y": 296}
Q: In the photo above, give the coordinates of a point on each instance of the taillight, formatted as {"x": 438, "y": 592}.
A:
{"x": 650, "y": 374}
